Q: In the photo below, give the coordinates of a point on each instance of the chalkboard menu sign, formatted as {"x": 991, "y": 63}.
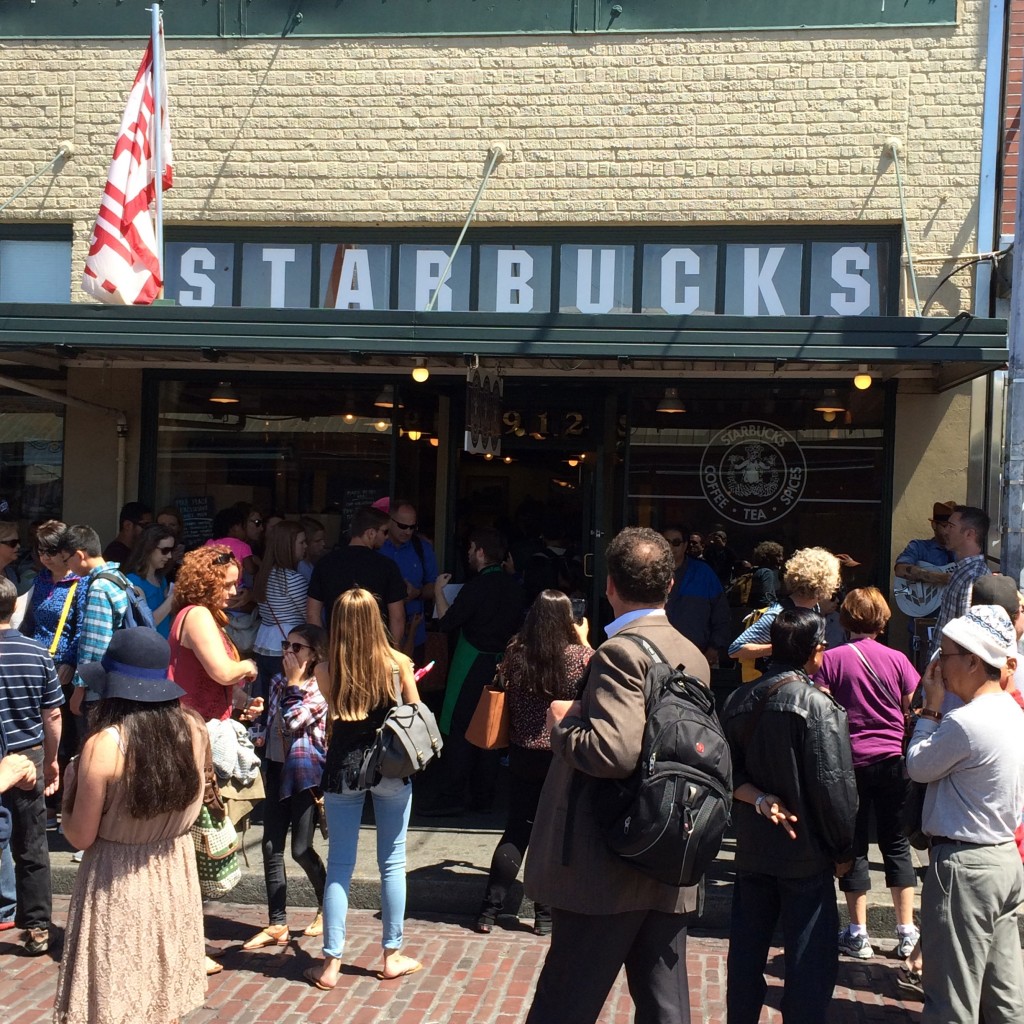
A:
{"x": 196, "y": 518}
{"x": 355, "y": 499}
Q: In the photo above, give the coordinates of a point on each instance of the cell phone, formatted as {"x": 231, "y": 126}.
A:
{"x": 579, "y": 608}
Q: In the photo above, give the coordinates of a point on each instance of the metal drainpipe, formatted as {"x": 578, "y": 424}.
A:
{"x": 983, "y": 409}
{"x": 81, "y": 403}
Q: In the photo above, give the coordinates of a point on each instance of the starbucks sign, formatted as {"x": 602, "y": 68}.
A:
{"x": 753, "y": 472}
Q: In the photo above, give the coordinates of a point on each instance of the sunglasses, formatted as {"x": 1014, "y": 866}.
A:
{"x": 165, "y": 551}
{"x": 677, "y": 543}
{"x": 13, "y": 543}
{"x": 256, "y": 522}
{"x": 405, "y": 526}
{"x": 223, "y": 559}
{"x": 287, "y": 646}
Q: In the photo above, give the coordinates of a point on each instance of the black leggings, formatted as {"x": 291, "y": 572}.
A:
{"x": 528, "y": 769}
{"x": 297, "y": 812}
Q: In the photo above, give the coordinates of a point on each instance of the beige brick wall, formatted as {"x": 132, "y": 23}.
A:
{"x": 675, "y": 129}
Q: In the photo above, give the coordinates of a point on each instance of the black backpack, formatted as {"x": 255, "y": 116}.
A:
{"x": 668, "y": 818}
{"x": 138, "y": 612}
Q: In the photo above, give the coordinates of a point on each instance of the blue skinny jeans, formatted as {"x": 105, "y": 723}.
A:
{"x": 392, "y": 802}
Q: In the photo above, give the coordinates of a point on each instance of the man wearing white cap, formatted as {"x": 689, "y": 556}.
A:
{"x": 972, "y": 758}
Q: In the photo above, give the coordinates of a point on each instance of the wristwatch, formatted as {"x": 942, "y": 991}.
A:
{"x": 935, "y": 716}
{"x": 760, "y": 800}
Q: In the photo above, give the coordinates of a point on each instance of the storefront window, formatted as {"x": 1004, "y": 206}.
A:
{"x": 31, "y": 458}
{"x": 280, "y": 445}
{"x": 799, "y": 465}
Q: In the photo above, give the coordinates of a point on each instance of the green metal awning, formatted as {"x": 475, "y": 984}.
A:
{"x": 953, "y": 348}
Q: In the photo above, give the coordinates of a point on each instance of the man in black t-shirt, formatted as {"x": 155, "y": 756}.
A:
{"x": 359, "y": 565}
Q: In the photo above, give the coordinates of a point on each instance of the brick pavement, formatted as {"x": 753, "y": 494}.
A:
{"x": 469, "y": 979}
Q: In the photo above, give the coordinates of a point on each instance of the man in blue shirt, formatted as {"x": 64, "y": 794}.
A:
{"x": 697, "y": 606}
{"x": 415, "y": 559}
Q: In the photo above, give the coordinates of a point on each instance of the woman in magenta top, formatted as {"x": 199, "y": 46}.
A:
{"x": 204, "y": 662}
{"x": 875, "y": 685}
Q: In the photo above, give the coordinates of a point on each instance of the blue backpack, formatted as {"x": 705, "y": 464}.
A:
{"x": 138, "y": 612}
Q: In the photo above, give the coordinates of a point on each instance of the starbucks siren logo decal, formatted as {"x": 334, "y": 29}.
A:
{"x": 753, "y": 472}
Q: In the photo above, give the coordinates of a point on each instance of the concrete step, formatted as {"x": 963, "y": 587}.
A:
{"x": 447, "y": 866}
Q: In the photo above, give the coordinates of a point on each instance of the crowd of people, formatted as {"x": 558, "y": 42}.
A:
{"x": 271, "y": 663}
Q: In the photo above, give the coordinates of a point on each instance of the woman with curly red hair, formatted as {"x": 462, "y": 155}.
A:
{"x": 204, "y": 662}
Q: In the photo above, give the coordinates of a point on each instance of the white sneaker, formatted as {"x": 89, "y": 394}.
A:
{"x": 858, "y": 946}
{"x": 77, "y": 856}
{"x": 905, "y": 943}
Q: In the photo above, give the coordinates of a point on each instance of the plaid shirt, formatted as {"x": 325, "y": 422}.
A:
{"x": 956, "y": 597}
{"x": 302, "y": 714}
{"x": 101, "y": 610}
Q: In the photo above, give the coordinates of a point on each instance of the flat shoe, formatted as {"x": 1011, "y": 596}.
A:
{"x": 414, "y": 966}
{"x": 272, "y": 935}
{"x": 316, "y": 926}
{"x": 314, "y": 979}
{"x": 212, "y": 967}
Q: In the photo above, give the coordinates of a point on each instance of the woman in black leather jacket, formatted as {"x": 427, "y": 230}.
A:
{"x": 795, "y": 803}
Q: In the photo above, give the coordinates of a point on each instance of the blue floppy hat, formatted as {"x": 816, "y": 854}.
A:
{"x": 134, "y": 668}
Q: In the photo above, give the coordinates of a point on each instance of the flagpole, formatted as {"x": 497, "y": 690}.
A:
{"x": 158, "y": 133}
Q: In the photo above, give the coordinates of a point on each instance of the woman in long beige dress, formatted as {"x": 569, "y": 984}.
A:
{"x": 133, "y": 950}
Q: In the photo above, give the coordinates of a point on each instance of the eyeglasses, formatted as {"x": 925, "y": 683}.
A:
{"x": 165, "y": 551}
{"x": 677, "y": 542}
{"x": 404, "y": 526}
{"x": 12, "y": 543}
{"x": 287, "y": 646}
{"x": 224, "y": 559}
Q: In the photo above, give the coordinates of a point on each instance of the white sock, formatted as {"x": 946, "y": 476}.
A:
{"x": 906, "y": 929}
{"x": 858, "y": 929}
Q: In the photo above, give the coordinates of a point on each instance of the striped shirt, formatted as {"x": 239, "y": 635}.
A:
{"x": 102, "y": 605}
{"x": 28, "y": 685}
{"x": 283, "y": 609}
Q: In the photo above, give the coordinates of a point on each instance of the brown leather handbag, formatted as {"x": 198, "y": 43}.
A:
{"x": 488, "y": 729}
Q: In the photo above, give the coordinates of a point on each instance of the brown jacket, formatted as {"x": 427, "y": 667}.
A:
{"x": 604, "y": 743}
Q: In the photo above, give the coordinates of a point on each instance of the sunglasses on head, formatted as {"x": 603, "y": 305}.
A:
{"x": 287, "y": 645}
{"x": 224, "y": 559}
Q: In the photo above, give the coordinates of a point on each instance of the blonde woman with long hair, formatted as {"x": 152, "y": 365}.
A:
{"x": 359, "y": 681}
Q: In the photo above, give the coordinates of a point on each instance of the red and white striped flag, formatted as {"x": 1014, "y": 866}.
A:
{"x": 123, "y": 266}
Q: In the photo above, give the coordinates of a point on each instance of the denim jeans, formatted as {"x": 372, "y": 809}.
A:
{"x": 8, "y": 894}
{"x": 30, "y": 848}
{"x": 392, "y": 800}
{"x": 810, "y": 922}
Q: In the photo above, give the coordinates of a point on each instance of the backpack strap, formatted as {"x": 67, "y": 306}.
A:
{"x": 789, "y": 677}
{"x": 576, "y": 786}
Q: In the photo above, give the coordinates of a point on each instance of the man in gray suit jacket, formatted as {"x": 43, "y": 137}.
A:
{"x": 605, "y": 913}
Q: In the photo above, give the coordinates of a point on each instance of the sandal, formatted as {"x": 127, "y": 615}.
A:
{"x": 272, "y": 935}
{"x": 212, "y": 967}
{"x": 406, "y": 966}
{"x": 909, "y": 981}
{"x": 311, "y": 975}
{"x": 316, "y": 926}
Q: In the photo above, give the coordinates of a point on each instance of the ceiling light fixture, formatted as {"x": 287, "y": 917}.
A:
{"x": 224, "y": 394}
{"x": 386, "y": 398}
{"x": 381, "y": 425}
{"x": 420, "y": 373}
{"x": 862, "y": 381}
{"x": 671, "y": 402}
{"x": 829, "y": 406}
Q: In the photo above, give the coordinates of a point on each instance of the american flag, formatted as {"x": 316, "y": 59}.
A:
{"x": 123, "y": 265}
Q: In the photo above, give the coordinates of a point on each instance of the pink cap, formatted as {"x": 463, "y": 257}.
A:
{"x": 384, "y": 504}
